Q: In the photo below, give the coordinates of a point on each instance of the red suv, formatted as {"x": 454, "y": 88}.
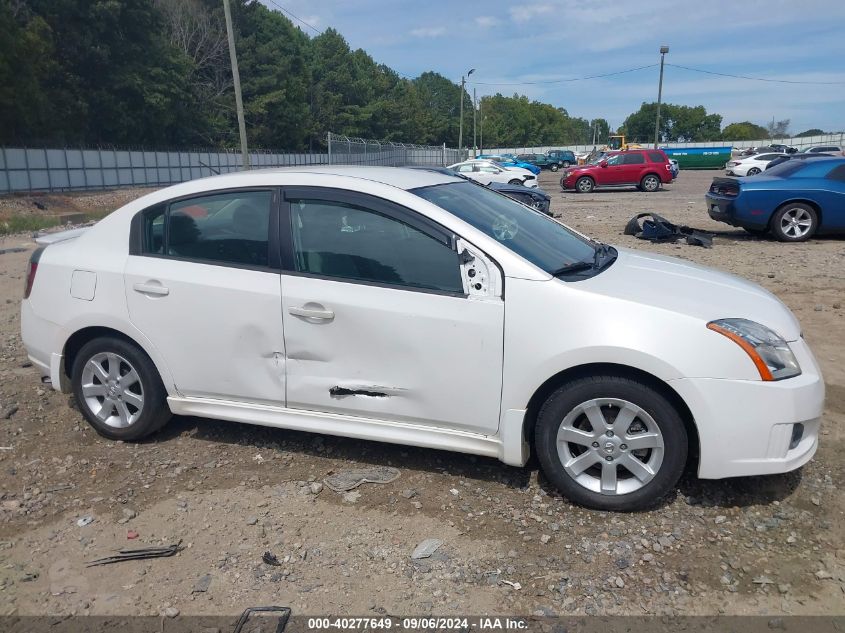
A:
{"x": 643, "y": 168}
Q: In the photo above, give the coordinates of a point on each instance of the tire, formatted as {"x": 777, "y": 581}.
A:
{"x": 129, "y": 412}
{"x": 584, "y": 184}
{"x": 650, "y": 183}
{"x": 794, "y": 222}
{"x": 554, "y": 167}
{"x": 515, "y": 181}
{"x": 567, "y": 413}
{"x": 753, "y": 171}
{"x": 566, "y": 164}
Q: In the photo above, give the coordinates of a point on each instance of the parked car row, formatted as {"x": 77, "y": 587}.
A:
{"x": 551, "y": 160}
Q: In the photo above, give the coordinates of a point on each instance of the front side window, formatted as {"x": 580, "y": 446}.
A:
{"x": 335, "y": 239}
{"x": 617, "y": 159}
{"x": 229, "y": 227}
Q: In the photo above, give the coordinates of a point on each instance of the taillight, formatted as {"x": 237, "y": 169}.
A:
{"x": 30, "y": 279}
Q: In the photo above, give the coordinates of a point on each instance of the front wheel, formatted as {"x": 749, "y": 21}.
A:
{"x": 554, "y": 167}
{"x": 650, "y": 183}
{"x": 611, "y": 443}
{"x": 795, "y": 222}
{"x": 118, "y": 389}
{"x": 584, "y": 185}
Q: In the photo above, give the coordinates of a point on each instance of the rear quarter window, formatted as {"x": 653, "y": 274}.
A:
{"x": 656, "y": 157}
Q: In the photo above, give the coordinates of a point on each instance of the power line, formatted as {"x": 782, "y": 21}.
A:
{"x": 778, "y": 81}
{"x": 296, "y": 17}
{"x": 560, "y": 81}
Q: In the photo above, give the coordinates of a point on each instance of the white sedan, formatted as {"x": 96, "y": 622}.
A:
{"x": 417, "y": 308}
{"x": 487, "y": 171}
{"x": 750, "y": 166}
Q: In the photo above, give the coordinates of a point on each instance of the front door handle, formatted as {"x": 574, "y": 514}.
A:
{"x": 151, "y": 289}
{"x": 319, "y": 313}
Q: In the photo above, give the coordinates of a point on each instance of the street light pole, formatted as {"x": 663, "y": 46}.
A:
{"x": 474, "y": 108}
{"x": 461, "y": 122}
{"x": 236, "y": 80}
{"x": 663, "y": 51}
{"x": 481, "y": 124}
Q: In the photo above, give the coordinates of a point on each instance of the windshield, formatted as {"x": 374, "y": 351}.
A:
{"x": 786, "y": 168}
{"x": 530, "y": 234}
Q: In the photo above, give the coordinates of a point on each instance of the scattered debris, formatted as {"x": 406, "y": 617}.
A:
{"x": 284, "y": 616}
{"x": 315, "y": 487}
{"x": 202, "y": 584}
{"x": 346, "y": 480}
{"x": 426, "y": 548}
{"x": 515, "y": 585}
{"x": 171, "y": 612}
{"x": 659, "y": 229}
{"x": 270, "y": 559}
{"x": 351, "y": 497}
{"x": 132, "y": 535}
{"x": 83, "y": 521}
{"x": 58, "y": 487}
{"x": 8, "y": 412}
{"x": 138, "y": 554}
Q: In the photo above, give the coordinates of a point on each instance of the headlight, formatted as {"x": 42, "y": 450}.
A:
{"x": 770, "y": 353}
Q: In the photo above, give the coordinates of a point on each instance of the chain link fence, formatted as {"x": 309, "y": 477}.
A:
{"x": 346, "y": 150}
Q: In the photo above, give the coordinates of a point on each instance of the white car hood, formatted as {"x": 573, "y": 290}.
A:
{"x": 680, "y": 286}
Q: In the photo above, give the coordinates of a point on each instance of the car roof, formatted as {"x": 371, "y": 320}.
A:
{"x": 401, "y": 177}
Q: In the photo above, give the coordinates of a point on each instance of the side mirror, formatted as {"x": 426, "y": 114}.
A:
{"x": 603, "y": 163}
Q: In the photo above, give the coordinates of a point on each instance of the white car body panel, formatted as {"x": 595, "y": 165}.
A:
{"x": 493, "y": 172}
{"x": 740, "y": 167}
{"x": 458, "y": 373}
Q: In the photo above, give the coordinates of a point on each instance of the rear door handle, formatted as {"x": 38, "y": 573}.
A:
{"x": 151, "y": 289}
{"x": 312, "y": 313}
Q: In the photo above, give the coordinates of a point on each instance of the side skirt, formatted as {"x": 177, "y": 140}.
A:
{"x": 340, "y": 425}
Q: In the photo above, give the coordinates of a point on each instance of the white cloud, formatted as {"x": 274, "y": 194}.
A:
{"x": 528, "y": 12}
{"x": 486, "y": 21}
{"x": 429, "y": 31}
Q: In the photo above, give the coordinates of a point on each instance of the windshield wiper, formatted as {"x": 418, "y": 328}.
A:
{"x": 573, "y": 267}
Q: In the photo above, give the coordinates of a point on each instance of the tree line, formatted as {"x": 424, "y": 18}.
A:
{"x": 156, "y": 73}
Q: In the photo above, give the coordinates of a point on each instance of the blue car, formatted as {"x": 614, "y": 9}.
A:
{"x": 507, "y": 160}
{"x": 794, "y": 200}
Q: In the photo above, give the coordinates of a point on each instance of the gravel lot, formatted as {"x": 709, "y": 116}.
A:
{"x": 510, "y": 543}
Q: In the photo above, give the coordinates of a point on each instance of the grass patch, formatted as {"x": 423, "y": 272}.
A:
{"x": 31, "y": 223}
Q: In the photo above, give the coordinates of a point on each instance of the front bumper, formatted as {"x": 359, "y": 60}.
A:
{"x": 749, "y": 427}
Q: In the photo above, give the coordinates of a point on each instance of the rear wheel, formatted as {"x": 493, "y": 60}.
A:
{"x": 515, "y": 181}
{"x": 584, "y": 184}
{"x": 753, "y": 171}
{"x": 611, "y": 443}
{"x": 795, "y": 222}
{"x": 566, "y": 163}
{"x": 118, "y": 389}
{"x": 650, "y": 183}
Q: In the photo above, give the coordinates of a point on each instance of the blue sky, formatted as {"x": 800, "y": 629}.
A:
{"x": 513, "y": 41}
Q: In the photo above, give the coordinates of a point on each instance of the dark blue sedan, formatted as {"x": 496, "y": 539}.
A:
{"x": 794, "y": 200}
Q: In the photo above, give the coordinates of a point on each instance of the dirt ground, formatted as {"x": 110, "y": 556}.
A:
{"x": 511, "y": 544}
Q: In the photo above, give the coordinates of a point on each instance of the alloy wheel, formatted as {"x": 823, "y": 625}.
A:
{"x": 112, "y": 390}
{"x": 796, "y": 222}
{"x": 610, "y": 446}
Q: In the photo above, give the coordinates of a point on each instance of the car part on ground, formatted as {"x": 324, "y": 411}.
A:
{"x": 794, "y": 200}
{"x": 659, "y": 229}
{"x": 143, "y": 553}
{"x": 213, "y": 298}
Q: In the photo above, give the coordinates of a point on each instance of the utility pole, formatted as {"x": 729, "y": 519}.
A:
{"x": 663, "y": 51}
{"x": 236, "y": 80}
{"x": 461, "y": 122}
{"x": 474, "y": 108}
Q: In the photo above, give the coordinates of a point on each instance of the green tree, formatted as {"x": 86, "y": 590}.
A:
{"x": 744, "y": 131}
{"x": 812, "y": 132}
{"x": 677, "y": 123}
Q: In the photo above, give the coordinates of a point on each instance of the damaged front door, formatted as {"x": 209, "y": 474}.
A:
{"x": 380, "y": 320}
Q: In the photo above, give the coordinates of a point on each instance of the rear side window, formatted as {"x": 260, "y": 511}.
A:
{"x": 335, "y": 239}
{"x": 227, "y": 228}
{"x": 656, "y": 157}
{"x": 634, "y": 159}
